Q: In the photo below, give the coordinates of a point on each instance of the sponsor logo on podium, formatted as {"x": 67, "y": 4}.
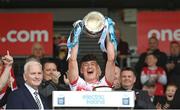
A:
{"x": 125, "y": 101}
{"x": 61, "y": 100}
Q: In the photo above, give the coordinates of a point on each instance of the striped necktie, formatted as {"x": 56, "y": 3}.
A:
{"x": 37, "y": 100}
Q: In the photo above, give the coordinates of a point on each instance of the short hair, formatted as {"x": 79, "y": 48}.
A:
{"x": 171, "y": 84}
{"x": 128, "y": 69}
{"x": 152, "y": 55}
{"x": 88, "y": 57}
{"x": 30, "y": 63}
{"x": 49, "y": 61}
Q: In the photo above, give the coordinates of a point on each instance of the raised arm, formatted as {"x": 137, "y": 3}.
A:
{"x": 73, "y": 65}
{"x": 8, "y": 61}
{"x": 110, "y": 64}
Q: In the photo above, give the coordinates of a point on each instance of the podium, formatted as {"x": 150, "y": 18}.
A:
{"x": 93, "y": 99}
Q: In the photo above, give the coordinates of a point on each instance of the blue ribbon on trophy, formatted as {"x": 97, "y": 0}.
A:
{"x": 108, "y": 29}
{"x": 94, "y": 24}
{"x": 74, "y": 39}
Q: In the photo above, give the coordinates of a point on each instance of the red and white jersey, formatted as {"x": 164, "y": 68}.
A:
{"x": 13, "y": 86}
{"x": 81, "y": 85}
{"x": 162, "y": 78}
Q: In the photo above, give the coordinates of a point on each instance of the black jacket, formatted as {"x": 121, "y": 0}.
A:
{"x": 142, "y": 99}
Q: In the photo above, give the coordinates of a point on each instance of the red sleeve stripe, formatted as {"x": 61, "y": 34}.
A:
{"x": 74, "y": 82}
{"x": 109, "y": 83}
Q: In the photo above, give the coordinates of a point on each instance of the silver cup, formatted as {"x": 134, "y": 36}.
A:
{"x": 94, "y": 23}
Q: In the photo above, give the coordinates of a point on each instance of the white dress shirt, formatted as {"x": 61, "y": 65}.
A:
{"x": 32, "y": 93}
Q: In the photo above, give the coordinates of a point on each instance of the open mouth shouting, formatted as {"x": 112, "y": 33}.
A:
{"x": 170, "y": 96}
{"x": 90, "y": 71}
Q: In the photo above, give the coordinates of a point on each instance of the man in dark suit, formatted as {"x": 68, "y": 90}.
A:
{"x": 128, "y": 79}
{"x": 25, "y": 97}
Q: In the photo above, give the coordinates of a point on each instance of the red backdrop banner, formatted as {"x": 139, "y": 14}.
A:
{"x": 165, "y": 24}
{"x": 18, "y": 31}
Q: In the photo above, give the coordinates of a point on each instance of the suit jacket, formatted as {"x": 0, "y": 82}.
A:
{"x": 22, "y": 99}
{"x": 142, "y": 99}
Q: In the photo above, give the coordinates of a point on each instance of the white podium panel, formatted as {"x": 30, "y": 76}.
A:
{"x": 93, "y": 99}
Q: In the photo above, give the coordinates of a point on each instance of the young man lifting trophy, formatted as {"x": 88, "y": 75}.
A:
{"x": 95, "y": 25}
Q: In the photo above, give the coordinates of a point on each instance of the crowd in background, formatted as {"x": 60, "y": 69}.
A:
{"x": 156, "y": 72}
